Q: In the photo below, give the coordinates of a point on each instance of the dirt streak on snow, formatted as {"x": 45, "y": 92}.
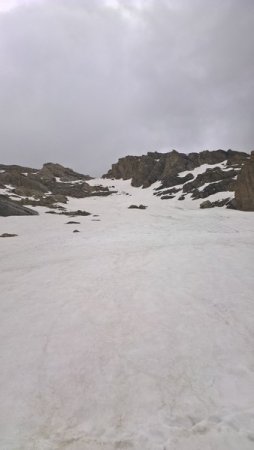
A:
{"x": 136, "y": 333}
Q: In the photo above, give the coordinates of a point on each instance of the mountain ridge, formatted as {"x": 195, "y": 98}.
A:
{"x": 173, "y": 175}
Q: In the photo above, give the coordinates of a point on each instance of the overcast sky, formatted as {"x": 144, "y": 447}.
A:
{"x": 83, "y": 82}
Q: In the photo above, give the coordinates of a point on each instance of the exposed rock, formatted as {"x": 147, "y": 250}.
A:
{"x": 236, "y": 159}
{"x": 27, "y": 185}
{"x": 76, "y": 213}
{"x": 21, "y": 169}
{"x": 72, "y": 222}
{"x": 11, "y": 208}
{"x": 76, "y": 231}
{"x": 167, "y": 192}
{"x": 165, "y": 167}
{"x": 210, "y": 176}
{"x": 137, "y": 207}
{"x": 217, "y": 203}
{"x": 49, "y": 201}
{"x": 175, "y": 180}
{"x": 209, "y": 157}
{"x": 167, "y": 197}
{"x": 69, "y": 213}
{"x": 49, "y": 186}
{"x": 213, "y": 188}
{"x": 206, "y": 204}
{"x": 50, "y": 171}
{"x": 244, "y": 193}
{"x": 6, "y": 235}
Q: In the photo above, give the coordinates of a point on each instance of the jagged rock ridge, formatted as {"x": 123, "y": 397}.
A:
{"x": 176, "y": 173}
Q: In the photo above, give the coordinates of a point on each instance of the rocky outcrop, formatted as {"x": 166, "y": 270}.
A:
{"x": 165, "y": 167}
{"x": 50, "y": 171}
{"x": 218, "y": 203}
{"x": 11, "y": 208}
{"x": 209, "y": 176}
{"x": 48, "y": 186}
{"x": 244, "y": 192}
{"x": 177, "y": 175}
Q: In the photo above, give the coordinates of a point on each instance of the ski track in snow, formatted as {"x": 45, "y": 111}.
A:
{"x": 134, "y": 334}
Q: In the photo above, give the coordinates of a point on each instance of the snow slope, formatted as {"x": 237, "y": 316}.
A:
{"x": 134, "y": 334}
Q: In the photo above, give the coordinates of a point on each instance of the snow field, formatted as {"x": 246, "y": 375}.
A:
{"x": 136, "y": 333}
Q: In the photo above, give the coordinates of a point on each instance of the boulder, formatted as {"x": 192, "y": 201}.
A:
{"x": 206, "y": 204}
{"x": 11, "y": 208}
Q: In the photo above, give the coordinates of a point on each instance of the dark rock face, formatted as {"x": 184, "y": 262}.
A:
{"x": 165, "y": 167}
{"x": 213, "y": 188}
{"x": 216, "y": 179}
{"x": 244, "y": 193}
{"x": 6, "y": 235}
{"x": 175, "y": 180}
{"x": 209, "y": 176}
{"x": 10, "y": 208}
{"x": 236, "y": 159}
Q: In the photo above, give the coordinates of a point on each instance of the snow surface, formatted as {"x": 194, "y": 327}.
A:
{"x": 136, "y": 333}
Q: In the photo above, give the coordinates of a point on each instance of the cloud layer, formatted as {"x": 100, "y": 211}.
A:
{"x": 83, "y": 82}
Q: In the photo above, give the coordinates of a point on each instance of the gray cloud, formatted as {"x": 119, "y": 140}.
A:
{"x": 83, "y": 82}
